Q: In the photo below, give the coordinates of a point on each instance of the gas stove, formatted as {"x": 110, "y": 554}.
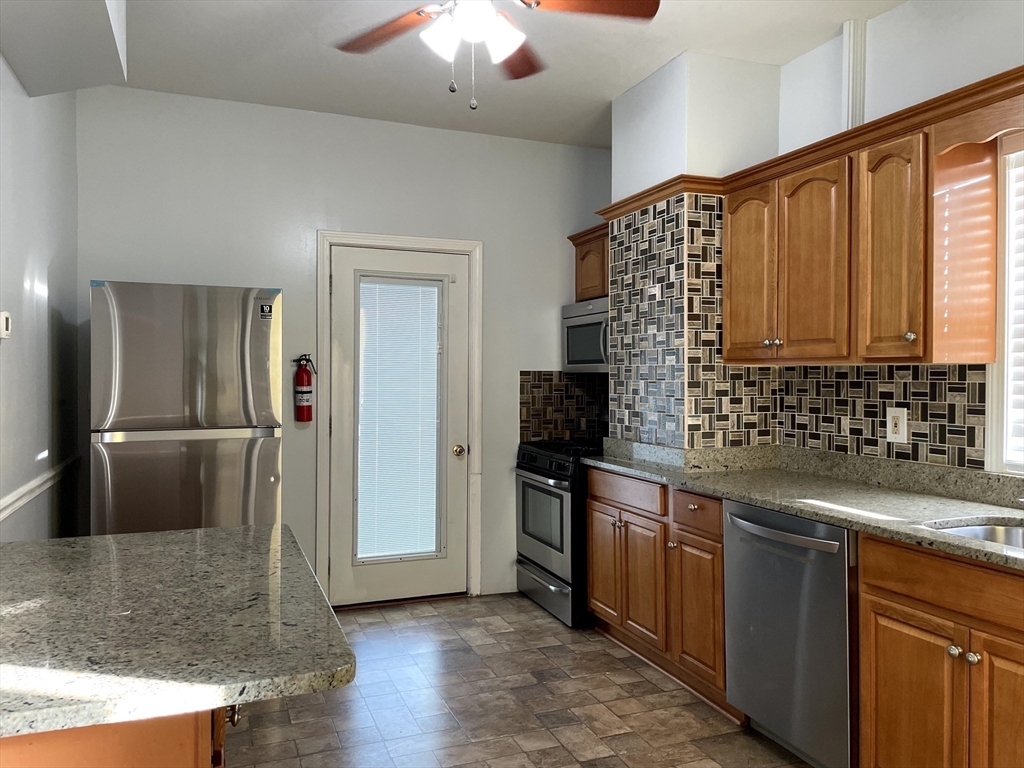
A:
{"x": 557, "y": 458}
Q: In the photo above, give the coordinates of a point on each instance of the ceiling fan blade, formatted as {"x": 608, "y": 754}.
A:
{"x": 522, "y": 63}
{"x": 635, "y": 9}
{"x": 389, "y": 30}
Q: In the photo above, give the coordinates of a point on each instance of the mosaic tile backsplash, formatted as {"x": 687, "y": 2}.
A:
{"x": 555, "y": 406}
{"x": 669, "y": 386}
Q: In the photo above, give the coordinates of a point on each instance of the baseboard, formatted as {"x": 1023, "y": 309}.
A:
{"x": 21, "y": 496}
{"x": 699, "y": 688}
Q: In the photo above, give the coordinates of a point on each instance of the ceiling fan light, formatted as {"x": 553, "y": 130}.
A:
{"x": 442, "y": 37}
{"x": 474, "y": 19}
{"x": 503, "y": 39}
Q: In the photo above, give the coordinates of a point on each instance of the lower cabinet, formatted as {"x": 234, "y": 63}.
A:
{"x": 941, "y": 671}
{"x": 605, "y": 583}
{"x": 643, "y": 582}
{"x": 697, "y": 606}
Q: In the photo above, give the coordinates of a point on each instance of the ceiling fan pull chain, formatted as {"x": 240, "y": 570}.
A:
{"x": 452, "y": 86}
{"x": 472, "y": 76}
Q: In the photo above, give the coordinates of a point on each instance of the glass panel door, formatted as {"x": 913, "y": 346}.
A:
{"x": 399, "y": 489}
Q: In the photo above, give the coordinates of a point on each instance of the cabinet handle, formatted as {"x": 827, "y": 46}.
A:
{"x": 909, "y": 336}
{"x": 232, "y": 715}
{"x": 615, "y": 523}
{"x": 777, "y": 342}
{"x": 973, "y": 658}
{"x": 621, "y": 526}
{"x": 693, "y": 507}
{"x": 672, "y": 545}
{"x": 954, "y": 651}
{"x": 766, "y": 343}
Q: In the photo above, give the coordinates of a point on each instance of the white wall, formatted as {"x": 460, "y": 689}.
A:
{"x": 177, "y": 188}
{"x": 732, "y": 114}
{"x": 38, "y": 252}
{"x": 649, "y": 131}
{"x": 811, "y": 96}
{"x": 924, "y": 48}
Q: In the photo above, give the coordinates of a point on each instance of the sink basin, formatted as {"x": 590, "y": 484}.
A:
{"x": 1009, "y": 535}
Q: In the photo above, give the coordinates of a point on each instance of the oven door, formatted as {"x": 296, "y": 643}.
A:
{"x": 544, "y": 522}
{"x": 585, "y": 343}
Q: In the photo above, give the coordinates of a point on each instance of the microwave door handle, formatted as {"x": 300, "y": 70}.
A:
{"x": 604, "y": 339}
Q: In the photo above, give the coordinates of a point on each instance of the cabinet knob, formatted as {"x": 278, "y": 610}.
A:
{"x": 615, "y": 523}
{"x": 766, "y": 343}
{"x": 777, "y": 343}
{"x": 620, "y": 526}
{"x": 672, "y": 545}
{"x": 954, "y": 651}
{"x": 693, "y": 507}
{"x": 909, "y": 336}
{"x": 973, "y": 658}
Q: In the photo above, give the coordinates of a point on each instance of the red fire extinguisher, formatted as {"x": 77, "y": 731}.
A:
{"x": 304, "y": 388}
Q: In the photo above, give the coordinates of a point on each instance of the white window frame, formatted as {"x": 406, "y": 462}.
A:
{"x": 995, "y": 408}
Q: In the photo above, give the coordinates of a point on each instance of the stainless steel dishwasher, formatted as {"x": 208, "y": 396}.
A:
{"x": 787, "y": 620}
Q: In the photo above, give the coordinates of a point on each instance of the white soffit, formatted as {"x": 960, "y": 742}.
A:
{"x": 53, "y": 46}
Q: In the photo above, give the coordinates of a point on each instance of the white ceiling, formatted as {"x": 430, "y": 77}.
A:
{"x": 281, "y": 53}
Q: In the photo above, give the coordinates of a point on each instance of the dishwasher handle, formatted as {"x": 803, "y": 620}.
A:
{"x": 807, "y": 542}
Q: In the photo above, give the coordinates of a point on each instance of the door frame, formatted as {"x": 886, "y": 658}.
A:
{"x": 474, "y": 252}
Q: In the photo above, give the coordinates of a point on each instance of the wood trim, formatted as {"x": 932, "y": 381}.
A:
{"x": 701, "y": 688}
{"x": 916, "y": 118}
{"x": 677, "y": 185}
{"x": 596, "y": 232}
{"x": 22, "y": 495}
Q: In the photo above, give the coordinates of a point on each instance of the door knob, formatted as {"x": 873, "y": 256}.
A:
{"x": 954, "y": 651}
{"x": 459, "y": 450}
{"x": 973, "y": 658}
{"x": 672, "y": 545}
{"x": 909, "y": 336}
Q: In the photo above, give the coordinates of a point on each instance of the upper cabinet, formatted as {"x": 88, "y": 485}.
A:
{"x": 786, "y": 276}
{"x": 886, "y": 254}
{"x": 890, "y": 249}
{"x": 591, "y": 262}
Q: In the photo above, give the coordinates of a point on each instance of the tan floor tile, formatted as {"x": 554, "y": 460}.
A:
{"x": 292, "y": 732}
{"x": 637, "y": 753}
{"x": 581, "y": 742}
{"x": 426, "y": 742}
{"x": 668, "y": 726}
{"x": 334, "y": 709}
{"x": 291, "y": 762}
{"x": 626, "y": 706}
{"x": 261, "y": 754}
{"x": 748, "y": 749}
{"x": 492, "y": 714}
{"x": 313, "y": 744}
{"x": 601, "y": 720}
{"x": 258, "y": 707}
{"x": 583, "y": 664}
{"x": 557, "y": 719}
{"x": 561, "y": 701}
{"x": 668, "y": 699}
{"x": 660, "y": 679}
{"x": 363, "y": 756}
{"x": 534, "y": 740}
{"x": 352, "y": 720}
{"x": 269, "y": 720}
{"x": 395, "y": 722}
{"x": 472, "y": 675}
{"x": 421, "y": 760}
{"x": 476, "y": 636}
{"x": 469, "y": 753}
{"x": 611, "y": 693}
{"x": 356, "y": 736}
{"x": 505, "y": 683}
{"x": 511, "y": 761}
{"x": 408, "y": 679}
{"x": 424, "y": 703}
{"x": 552, "y": 757}
{"x": 494, "y": 624}
{"x": 444, "y": 722}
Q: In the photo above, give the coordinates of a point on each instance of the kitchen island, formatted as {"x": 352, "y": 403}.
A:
{"x": 119, "y": 641}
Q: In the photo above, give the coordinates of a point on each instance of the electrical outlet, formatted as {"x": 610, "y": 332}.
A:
{"x": 897, "y": 429}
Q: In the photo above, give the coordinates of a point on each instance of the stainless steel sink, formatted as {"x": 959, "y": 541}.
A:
{"x": 1006, "y": 531}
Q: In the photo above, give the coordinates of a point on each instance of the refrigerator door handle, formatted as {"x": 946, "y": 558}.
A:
{"x": 155, "y": 435}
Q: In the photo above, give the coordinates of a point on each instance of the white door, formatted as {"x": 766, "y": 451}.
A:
{"x": 399, "y": 474}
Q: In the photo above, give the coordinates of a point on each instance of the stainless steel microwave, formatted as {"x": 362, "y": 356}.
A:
{"x": 585, "y": 336}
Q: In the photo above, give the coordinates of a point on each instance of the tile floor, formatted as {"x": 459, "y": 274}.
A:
{"x": 492, "y": 682}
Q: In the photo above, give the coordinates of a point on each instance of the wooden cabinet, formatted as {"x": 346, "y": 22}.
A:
{"x": 697, "y": 606}
{"x": 786, "y": 280}
{"x": 890, "y": 248}
{"x": 941, "y": 671}
{"x": 591, "y": 262}
{"x": 814, "y": 262}
{"x": 749, "y": 273}
{"x": 604, "y": 562}
{"x": 643, "y": 578}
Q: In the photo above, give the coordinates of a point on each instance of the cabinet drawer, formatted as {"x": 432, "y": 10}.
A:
{"x": 628, "y": 492}
{"x": 943, "y": 581}
{"x": 698, "y": 512}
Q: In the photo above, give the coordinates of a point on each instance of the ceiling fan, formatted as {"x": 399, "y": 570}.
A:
{"x": 478, "y": 21}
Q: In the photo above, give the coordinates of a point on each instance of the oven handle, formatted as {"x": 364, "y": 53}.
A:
{"x": 522, "y": 568}
{"x": 560, "y": 484}
{"x": 821, "y": 545}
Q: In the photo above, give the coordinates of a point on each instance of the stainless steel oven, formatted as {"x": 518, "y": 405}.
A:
{"x": 585, "y": 336}
{"x": 544, "y": 522}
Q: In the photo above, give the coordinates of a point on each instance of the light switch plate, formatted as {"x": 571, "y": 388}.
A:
{"x": 897, "y": 429}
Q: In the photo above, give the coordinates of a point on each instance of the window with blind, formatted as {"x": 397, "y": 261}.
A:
{"x": 1007, "y": 407}
{"x": 398, "y": 499}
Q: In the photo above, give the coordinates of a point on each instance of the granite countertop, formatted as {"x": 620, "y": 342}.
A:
{"x": 886, "y": 512}
{"x": 107, "y": 629}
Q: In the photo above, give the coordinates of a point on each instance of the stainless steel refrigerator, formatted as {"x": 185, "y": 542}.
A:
{"x": 185, "y": 406}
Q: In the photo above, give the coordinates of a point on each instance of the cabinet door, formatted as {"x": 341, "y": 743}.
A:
{"x": 603, "y": 563}
{"x": 697, "y": 609}
{"x": 592, "y": 270}
{"x": 814, "y": 262}
{"x": 890, "y": 249}
{"x": 749, "y": 273}
{"x": 997, "y": 702}
{"x": 913, "y": 693}
{"x": 643, "y": 578}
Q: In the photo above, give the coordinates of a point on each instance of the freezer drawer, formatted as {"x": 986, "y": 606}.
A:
{"x": 184, "y": 356}
{"x": 180, "y": 482}
{"x": 787, "y": 646}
